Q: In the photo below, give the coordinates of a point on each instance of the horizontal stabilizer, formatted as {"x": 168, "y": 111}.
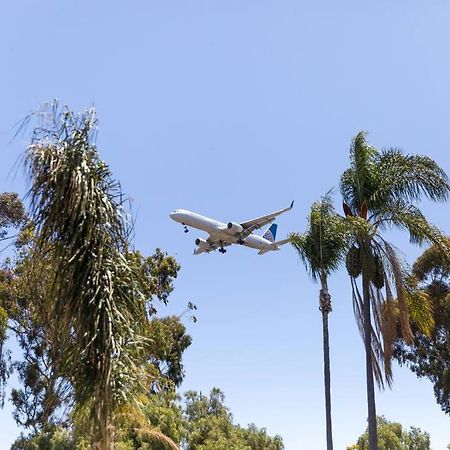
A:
{"x": 275, "y": 246}
{"x": 282, "y": 242}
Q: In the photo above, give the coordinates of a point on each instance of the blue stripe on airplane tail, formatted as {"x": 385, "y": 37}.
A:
{"x": 271, "y": 233}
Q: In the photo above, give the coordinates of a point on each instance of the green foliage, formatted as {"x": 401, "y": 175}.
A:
{"x": 379, "y": 191}
{"x": 321, "y": 246}
{"x": 45, "y": 392}
{"x": 45, "y": 387}
{"x": 12, "y": 213}
{"x": 381, "y": 178}
{"x": 429, "y": 354}
{"x": 84, "y": 329}
{"x": 157, "y": 426}
{"x": 210, "y": 426}
{"x": 4, "y": 356}
{"x": 55, "y": 439}
{"x": 433, "y": 266}
{"x": 12, "y": 216}
{"x": 257, "y": 439}
{"x": 167, "y": 342}
{"x": 392, "y": 436}
{"x": 199, "y": 423}
{"x": 155, "y": 275}
{"x": 164, "y": 412}
{"x": 3, "y": 323}
{"x": 46, "y": 395}
{"x": 77, "y": 210}
{"x": 420, "y": 306}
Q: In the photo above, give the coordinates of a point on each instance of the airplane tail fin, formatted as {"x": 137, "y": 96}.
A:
{"x": 271, "y": 233}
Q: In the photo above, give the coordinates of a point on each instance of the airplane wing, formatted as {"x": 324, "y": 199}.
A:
{"x": 255, "y": 224}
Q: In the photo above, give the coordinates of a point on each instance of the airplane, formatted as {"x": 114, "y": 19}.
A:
{"x": 222, "y": 235}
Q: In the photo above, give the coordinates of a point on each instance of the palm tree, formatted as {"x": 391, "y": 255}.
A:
{"x": 379, "y": 191}
{"x": 321, "y": 248}
{"x": 77, "y": 211}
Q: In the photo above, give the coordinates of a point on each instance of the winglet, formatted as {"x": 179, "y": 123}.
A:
{"x": 292, "y": 204}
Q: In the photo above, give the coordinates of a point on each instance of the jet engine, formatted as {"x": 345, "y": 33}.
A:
{"x": 234, "y": 228}
{"x": 201, "y": 243}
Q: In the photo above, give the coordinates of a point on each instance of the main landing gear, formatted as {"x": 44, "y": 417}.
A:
{"x": 240, "y": 242}
{"x": 221, "y": 249}
{"x": 185, "y": 227}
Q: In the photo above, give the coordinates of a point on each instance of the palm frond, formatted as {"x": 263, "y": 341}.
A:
{"x": 299, "y": 242}
{"x": 420, "y": 306}
{"x": 321, "y": 248}
{"x": 128, "y": 415}
{"x": 382, "y": 370}
{"x": 398, "y": 276}
{"x": 377, "y": 301}
{"x": 148, "y": 433}
{"x": 409, "y": 177}
{"x": 405, "y": 216}
{"x": 360, "y": 181}
{"x": 358, "y": 307}
{"x": 381, "y": 373}
{"x": 389, "y": 334}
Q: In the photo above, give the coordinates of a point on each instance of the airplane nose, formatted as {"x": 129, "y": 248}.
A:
{"x": 174, "y": 215}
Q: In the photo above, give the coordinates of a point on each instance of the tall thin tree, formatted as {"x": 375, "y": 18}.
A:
{"x": 379, "y": 191}
{"x": 77, "y": 211}
{"x": 321, "y": 249}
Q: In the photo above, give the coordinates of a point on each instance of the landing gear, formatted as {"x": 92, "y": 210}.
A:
{"x": 240, "y": 242}
{"x": 185, "y": 228}
{"x": 222, "y": 250}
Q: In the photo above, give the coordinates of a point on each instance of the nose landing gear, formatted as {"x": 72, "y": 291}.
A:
{"x": 186, "y": 230}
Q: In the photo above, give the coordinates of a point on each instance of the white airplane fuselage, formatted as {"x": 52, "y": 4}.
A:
{"x": 219, "y": 230}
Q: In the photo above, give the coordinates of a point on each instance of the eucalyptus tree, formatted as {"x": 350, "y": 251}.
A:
{"x": 44, "y": 399}
{"x": 321, "y": 249}
{"x": 12, "y": 217}
{"x": 380, "y": 190}
{"x": 429, "y": 354}
{"x": 77, "y": 210}
{"x": 199, "y": 421}
{"x": 393, "y": 436}
{"x": 208, "y": 424}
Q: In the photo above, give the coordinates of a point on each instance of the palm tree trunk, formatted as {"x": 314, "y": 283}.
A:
{"x": 372, "y": 416}
{"x": 325, "y": 308}
{"x": 103, "y": 431}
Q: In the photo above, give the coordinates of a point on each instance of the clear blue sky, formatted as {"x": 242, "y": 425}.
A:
{"x": 232, "y": 109}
